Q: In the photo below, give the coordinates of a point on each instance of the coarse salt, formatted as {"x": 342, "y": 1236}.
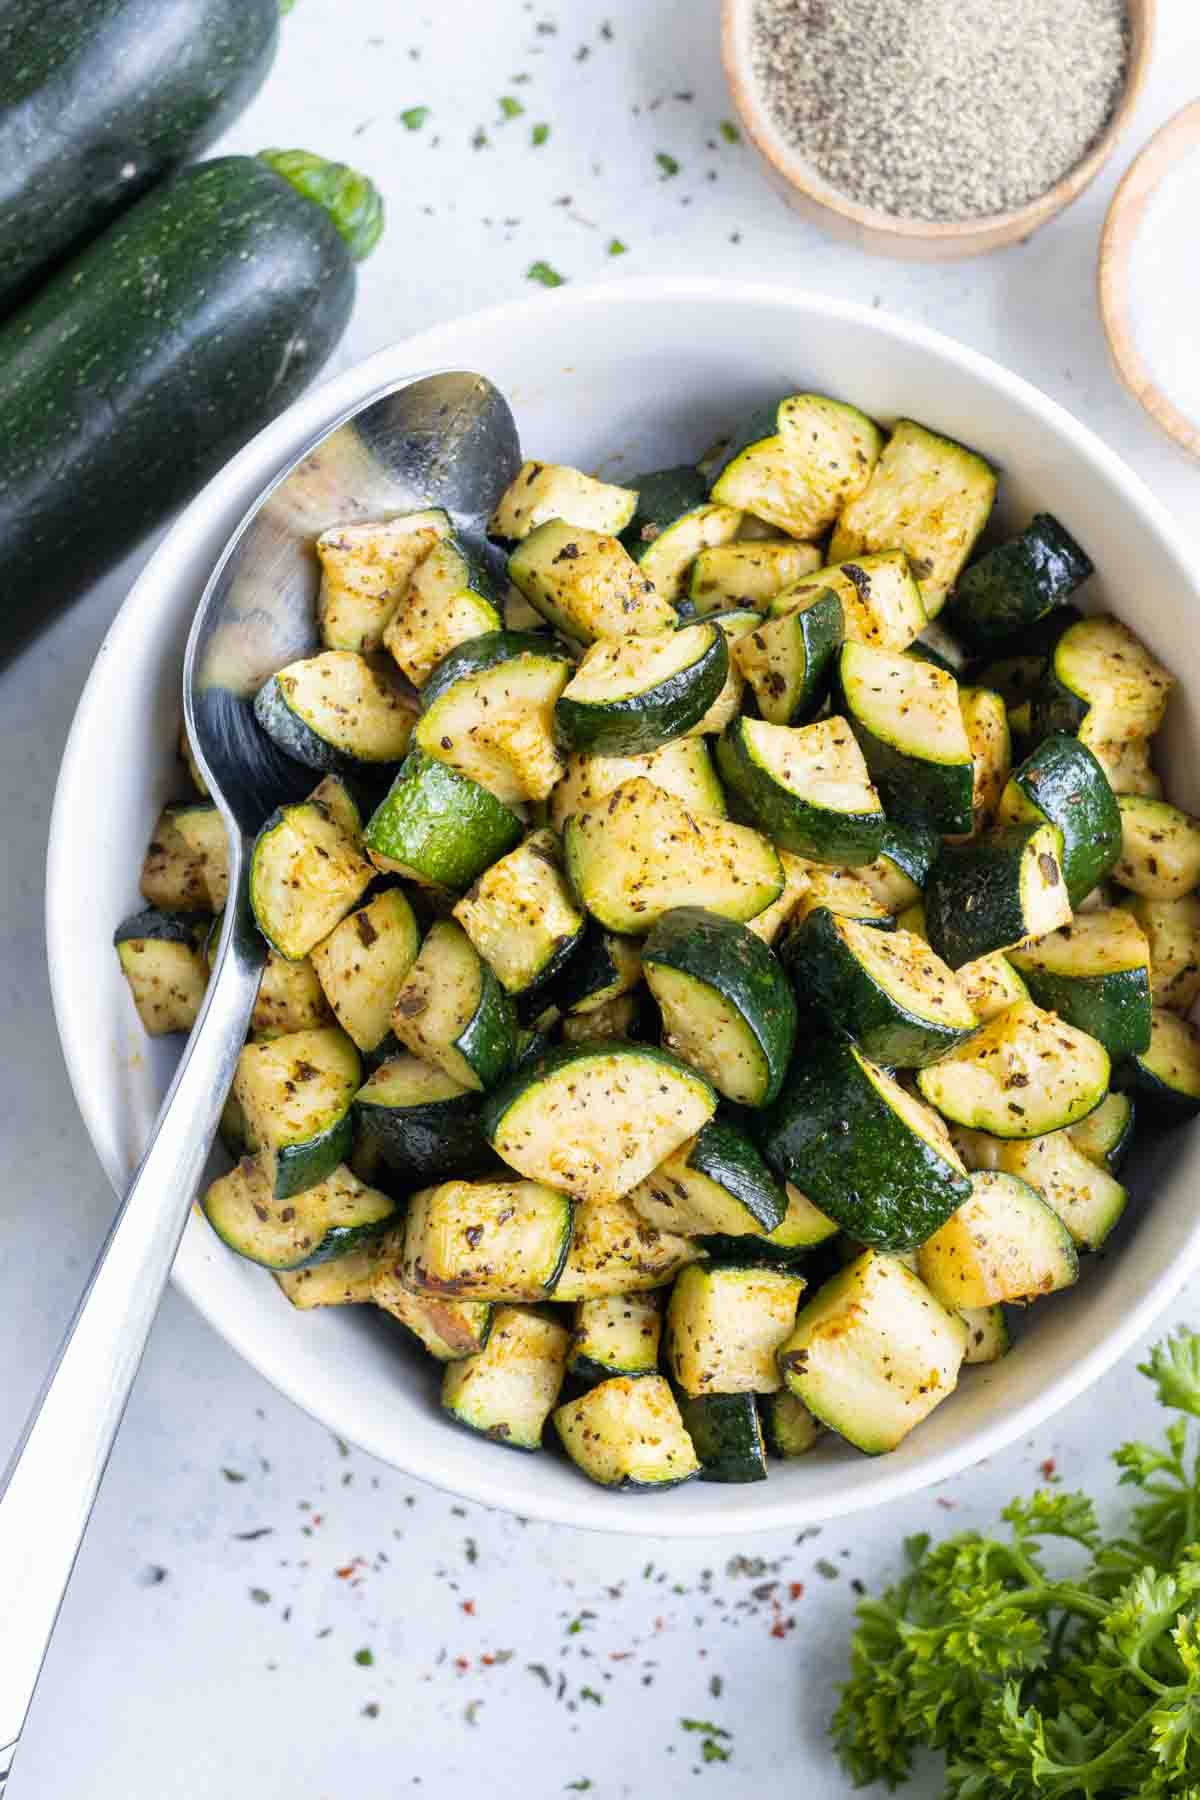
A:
{"x": 1164, "y": 285}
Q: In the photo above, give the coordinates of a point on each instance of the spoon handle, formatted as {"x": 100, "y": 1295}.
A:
{"x": 47, "y": 1492}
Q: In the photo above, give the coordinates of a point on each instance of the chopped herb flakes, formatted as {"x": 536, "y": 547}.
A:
{"x": 510, "y": 106}
{"x": 364, "y": 1657}
{"x": 730, "y": 132}
{"x": 539, "y": 135}
{"x": 233, "y": 1475}
{"x": 541, "y": 271}
{"x": 414, "y": 117}
{"x": 260, "y": 1596}
{"x": 711, "y": 1750}
{"x": 667, "y": 164}
{"x": 616, "y": 247}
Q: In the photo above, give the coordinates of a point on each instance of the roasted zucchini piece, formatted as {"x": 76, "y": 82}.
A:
{"x": 1128, "y": 767}
{"x": 1167, "y": 1075}
{"x": 520, "y": 916}
{"x": 602, "y": 969}
{"x": 631, "y": 695}
{"x": 987, "y": 1334}
{"x": 995, "y": 891}
{"x": 627, "y": 1433}
{"x": 845, "y": 893}
{"x": 485, "y": 1240}
{"x": 788, "y": 661}
{"x": 797, "y": 463}
{"x": 1106, "y": 1134}
{"x": 488, "y": 712}
{"x": 797, "y": 878}
{"x": 544, "y": 491}
{"x": 1004, "y": 1243}
{"x": 727, "y": 1435}
{"x": 425, "y": 1124}
{"x": 880, "y": 600}
{"x": 1061, "y": 781}
{"x": 898, "y": 875}
{"x": 346, "y": 1280}
{"x": 807, "y": 787}
{"x": 329, "y": 1219}
{"x": 508, "y": 1389}
{"x": 365, "y": 570}
{"x": 1102, "y": 685}
{"x": 362, "y": 963}
{"x": 1085, "y": 1196}
{"x": 447, "y": 1328}
{"x": 163, "y": 963}
{"x": 714, "y": 1184}
{"x": 748, "y": 574}
{"x": 586, "y": 584}
{"x": 289, "y": 998}
{"x": 1024, "y": 1073}
{"x": 909, "y": 725}
{"x": 985, "y": 721}
{"x": 1015, "y": 585}
{"x": 306, "y": 874}
{"x": 295, "y": 1093}
{"x": 801, "y": 1230}
{"x": 175, "y": 874}
{"x": 1160, "y": 849}
{"x": 615, "y": 1251}
{"x": 615, "y": 1334}
{"x": 725, "y": 1326}
{"x": 788, "y": 1426}
{"x": 452, "y": 1011}
{"x": 675, "y": 520}
{"x": 438, "y": 827}
{"x": 336, "y": 711}
{"x": 728, "y": 703}
{"x": 1172, "y": 929}
{"x": 448, "y": 601}
{"x": 1095, "y": 974}
{"x": 202, "y": 829}
{"x": 683, "y": 768}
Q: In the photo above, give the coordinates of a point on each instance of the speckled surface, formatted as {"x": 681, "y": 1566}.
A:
{"x": 239, "y": 1561}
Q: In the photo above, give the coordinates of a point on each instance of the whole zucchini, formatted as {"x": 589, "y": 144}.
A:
{"x": 154, "y": 355}
{"x": 99, "y": 99}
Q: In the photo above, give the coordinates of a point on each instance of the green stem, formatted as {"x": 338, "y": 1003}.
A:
{"x": 352, "y": 200}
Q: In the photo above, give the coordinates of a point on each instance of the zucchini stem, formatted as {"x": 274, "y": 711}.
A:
{"x": 352, "y": 200}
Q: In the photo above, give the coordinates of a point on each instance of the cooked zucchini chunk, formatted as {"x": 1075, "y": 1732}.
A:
{"x": 1167, "y": 1075}
{"x": 488, "y": 711}
{"x": 296, "y": 1230}
{"x": 675, "y": 520}
{"x": 447, "y": 1328}
{"x": 1024, "y": 1073}
{"x": 633, "y": 694}
{"x": 365, "y": 570}
{"x": 788, "y": 661}
{"x": 1172, "y": 929}
{"x": 624, "y": 1017}
{"x": 726, "y": 1005}
{"x": 544, "y": 491}
{"x": 336, "y": 711}
{"x": 807, "y": 787}
{"x": 289, "y": 998}
{"x": 1128, "y": 767}
{"x": 615, "y": 1251}
{"x": 797, "y": 463}
{"x": 452, "y": 1011}
{"x": 909, "y": 725}
{"x": 166, "y": 970}
{"x": 174, "y": 874}
{"x": 683, "y": 768}
{"x": 898, "y": 875}
{"x": 727, "y": 1435}
{"x": 615, "y": 1334}
{"x": 725, "y": 1326}
{"x": 586, "y": 584}
{"x": 1061, "y": 781}
{"x": 346, "y": 1280}
{"x": 1095, "y": 974}
{"x": 1102, "y": 685}
{"x": 1004, "y": 1243}
{"x": 199, "y": 832}
{"x": 643, "y": 852}
{"x": 728, "y": 703}
{"x": 870, "y": 1155}
{"x": 425, "y": 1124}
{"x": 873, "y": 1352}
{"x": 520, "y": 916}
{"x": 885, "y": 989}
{"x": 797, "y": 878}
{"x": 1011, "y": 588}
{"x": 362, "y": 963}
{"x": 1160, "y": 849}
{"x": 485, "y": 1240}
{"x": 627, "y": 1433}
{"x": 844, "y": 893}
{"x": 449, "y": 600}
{"x": 987, "y": 1334}
{"x": 595, "y": 1118}
{"x": 1085, "y": 1196}
{"x": 788, "y": 1426}
{"x": 306, "y": 874}
{"x": 603, "y": 968}
{"x": 928, "y": 496}
{"x": 880, "y": 600}
{"x": 714, "y": 1184}
{"x": 508, "y": 1389}
{"x": 802, "y": 1229}
{"x": 995, "y": 891}
{"x": 295, "y": 1093}
{"x": 748, "y": 575}
{"x": 1106, "y": 1134}
{"x": 985, "y": 721}
{"x": 438, "y": 827}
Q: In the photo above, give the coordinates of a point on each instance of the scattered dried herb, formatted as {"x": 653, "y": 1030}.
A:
{"x": 364, "y": 1657}
{"x": 539, "y": 135}
{"x": 413, "y": 117}
{"x": 730, "y": 132}
{"x": 233, "y": 1475}
{"x": 542, "y": 271}
{"x": 260, "y": 1596}
{"x": 510, "y": 106}
{"x": 616, "y": 247}
{"x": 667, "y": 164}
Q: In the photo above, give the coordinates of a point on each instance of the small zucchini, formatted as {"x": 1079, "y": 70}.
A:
{"x": 295, "y": 1093}
{"x": 487, "y": 711}
{"x": 1024, "y": 1073}
{"x": 898, "y": 875}
{"x": 1002, "y": 1244}
{"x": 289, "y": 998}
{"x": 1085, "y": 1196}
{"x": 801, "y": 1230}
{"x": 727, "y": 1435}
{"x": 807, "y": 787}
{"x": 603, "y": 968}
{"x": 728, "y": 703}
{"x": 1014, "y": 586}
{"x": 633, "y": 694}
{"x": 365, "y": 571}
{"x": 909, "y": 725}
{"x": 486, "y": 1240}
{"x": 714, "y": 1184}
{"x": 846, "y": 894}
{"x": 543, "y": 491}
{"x": 520, "y": 915}
{"x": 799, "y": 462}
{"x": 1095, "y": 974}
{"x": 330, "y": 1218}
{"x": 797, "y": 879}
{"x": 725, "y": 1326}
{"x": 627, "y": 1433}
{"x": 788, "y": 1426}
{"x": 508, "y": 1389}
{"x": 438, "y": 827}
{"x": 995, "y": 891}
{"x": 1105, "y": 1135}
{"x": 675, "y": 520}
{"x": 985, "y": 721}
{"x": 361, "y": 964}
{"x": 346, "y": 1280}
{"x": 1160, "y": 849}
{"x": 586, "y": 584}
{"x": 448, "y": 600}
{"x": 444, "y": 1327}
{"x": 425, "y": 1124}
{"x": 1172, "y": 929}
{"x": 880, "y": 600}
{"x": 173, "y": 875}
{"x": 788, "y": 660}
{"x": 452, "y": 1011}
{"x": 1167, "y": 1075}
{"x": 615, "y": 1334}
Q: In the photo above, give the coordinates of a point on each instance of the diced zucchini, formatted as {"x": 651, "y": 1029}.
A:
{"x": 797, "y": 878}
{"x": 995, "y": 891}
{"x": 452, "y": 1011}
{"x": 1128, "y": 767}
{"x": 788, "y": 660}
{"x": 726, "y": 1004}
{"x": 488, "y": 712}
{"x": 1095, "y": 974}
{"x": 844, "y": 893}
{"x": 1167, "y": 1075}
{"x": 714, "y": 1184}
{"x": 898, "y": 875}
{"x": 728, "y": 703}
{"x": 1014, "y": 586}
{"x": 928, "y": 496}
{"x": 1085, "y": 1196}
{"x": 873, "y": 1352}
{"x": 886, "y": 989}
{"x": 615, "y": 1334}
{"x": 586, "y": 584}
{"x": 684, "y": 768}
{"x": 365, "y": 570}
{"x": 173, "y": 877}
{"x": 622, "y": 1018}
{"x": 520, "y": 916}
{"x": 727, "y": 1435}
{"x": 881, "y": 602}
{"x": 802, "y": 1229}
{"x": 870, "y": 1155}
{"x": 788, "y": 1426}
{"x": 362, "y": 963}
{"x": 799, "y": 462}
{"x": 615, "y": 1251}
{"x": 448, "y": 601}
{"x": 990, "y": 985}
{"x": 1160, "y": 849}
{"x": 437, "y": 826}
{"x": 940, "y": 646}
{"x": 296, "y": 1092}
{"x": 306, "y": 874}
{"x": 332, "y": 793}
{"x": 1024, "y": 1073}
{"x": 444, "y": 1326}
{"x": 336, "y": 711}
{"x": 749, "y": 574}
{"x": 643, "y": 852}
{"x": 508, "y": 1389}
{"x": 595, "y": 1118}
{"x": 1062, "y": 782}
{"x": 330, "y": 1218}
{"x": 425, "y": 1124}
{"x": 486, "y": 1240}
{"x": 1004, "y": 1243}
{"x": 1106, "y": 1134}
{"x": 987, "y": 1334}
{"x": 1172, "y": 929}
{"x": 627, "y": 1433}
{"x": 675, "y": 520}
{"x": 807, "y": 787}
{"x": 289, "y": 998}
{"x": 603, "y": 968}
{"x": 985, "y": 721}
{"x": 631, "y": 695}
{"x": 544, "y": 491}
{"x": 166, "y": 970}
{"x": 725, "y": 1326}
{"x": 909, "y": 725}
{"x": 1102, "y": 684}
{"x": 346, "y": 1280}
{"x": 202, "y": 829}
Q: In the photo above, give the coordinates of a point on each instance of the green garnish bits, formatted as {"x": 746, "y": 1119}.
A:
{"x": 352, "y": 200}
{"x": 1040, "y": 1685}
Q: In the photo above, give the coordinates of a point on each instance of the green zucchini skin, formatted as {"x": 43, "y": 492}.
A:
{"x": 972, "y": 905}
{"x": 591, "y": 974}
{"x": 487, "y": 652}
{"x": 663, "y": 496}
{"x": 301, "y": 1166}
{"x": 1062, "y": 781}
{"x": 257, "y": 285}
{"x": 648, "y": 720}
{"x": 99, "y": 99}
{"x": 727, "y": 1156}
{"x": 832, "y": 1134}
{"x": 164, "y": 927}
{"x": 440, "y": 824}
{"x": 1017, "y": 584}
{"x": 789, "y": 821}
{"x": 913, "y": 845}
{"x": 1114, "y": 1008}
{"x": 432, "y": 1142}
{"x": 727, "y": 1436}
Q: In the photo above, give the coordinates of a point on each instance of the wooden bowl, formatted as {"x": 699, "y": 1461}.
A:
{"x": 1174, "y": 140}
{"x": 918, "y": 240}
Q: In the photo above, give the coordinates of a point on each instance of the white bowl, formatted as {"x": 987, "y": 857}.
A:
{"x": 618, "y": 377}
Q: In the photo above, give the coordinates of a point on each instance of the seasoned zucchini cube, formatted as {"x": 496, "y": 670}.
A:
{"x": 880, "y": 600}
{"x": 166, "y": 970}
{"x": 798, "y": 462}
{"x": 448, "y": 1328}
{"x": 788, "y": 1426}
{"x": 362, "y": 963}
{"x": 174, "y": 874}
{"x": 364, "y": 572}
{"x": 438, "y": 827}
{"x": 1004, "y": 1243}
{"x": 614, "y": 1251}
{"x": 1128, "y": 767}
{"x": 634, "y": 694}
{"x": 424, "y": 1124}
{"x": 985, "y": 721}
{"x": 1160, "y": 849}
{"x": 293, "y": 1231}
{"x": 603, "y": 968}
{"x": 336, "y": 711}
{"x": 909, "y": 725}
{"x": 1014, "y": 586}
{"x": 1167, "y": 1075}
{"x": 306, "y": 874}
{"x": 1095, "y": 974}
{"x": 452, "y": 1011}
{"x": 807, "y": 787}
{"x": 797, "y": 878}
{"x": 727, "y": 1435}
{"x": 683, "y": 768}
{"x": 725, "y": 1327}
{"x": 1085, "y": 1196}
{"x": 1172, "y": 930}
{"x": 1106, "y": 1134}
{"x": 346, "y": 1280}
{"x": 728, "y": 703}
{"x": 987, "y": 1334}
{"x": 627, "y": 1433}
{"x": 544, "y": 491}
{"x": 289, "y": 998}
{"x": 990, "y": 985}
{"x": 615, "y": 1334}
{"x": 995, "y": 891}
{"x": 488, "y": 711}
{"x": 1102, "y": 684}
{"x": 485, "y": 1240}
{"x": 508, "y": 1389}
{"x": 748, "y": 574}
{"x": 448, "y": 601}
{"x": 714, "y": 1184}
{"x": 1062, "y": 783}
{"x": 295, "y": 1093}
{"x": 520, "y": 915}
{"x": 788, "y": 661}
{"x": 586, "y": 584}
{"x": 1024, "y": 1073}
{"x": 898, "y": 874}
{"x": 846, "y": 893}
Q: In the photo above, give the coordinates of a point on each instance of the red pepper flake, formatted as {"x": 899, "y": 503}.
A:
{"x": 619, "y": 1655}
{"x": 487, "y": 1660}
{"x": 468, "y": 1606}
{"x": 1048, "y": 1469}
{"x": 947, "y": 1505}
{"x": 462, "y": 1664}
{"x": 795, "y": 1589}
{"x": 350, "y": 1569}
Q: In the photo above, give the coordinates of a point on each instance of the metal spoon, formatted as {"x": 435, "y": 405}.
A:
{"x": 448, "y": 440}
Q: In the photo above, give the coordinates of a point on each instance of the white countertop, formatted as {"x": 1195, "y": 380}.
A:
{"x": 194, "y": 1658}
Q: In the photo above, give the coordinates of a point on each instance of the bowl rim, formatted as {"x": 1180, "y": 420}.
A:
{"x": 595, "y": 1509}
